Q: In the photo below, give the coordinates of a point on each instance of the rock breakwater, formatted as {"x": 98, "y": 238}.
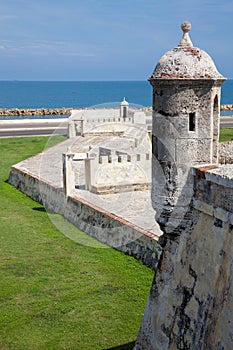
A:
{"x": 228, "y": 107}
{"x": 21, "y": 112}
{"x": 4, "y": 112}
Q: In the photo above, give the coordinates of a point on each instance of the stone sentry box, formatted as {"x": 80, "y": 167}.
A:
{"x": 186, "y": 110}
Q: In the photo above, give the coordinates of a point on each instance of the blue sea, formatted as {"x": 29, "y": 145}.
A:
{"x": 82, "y": 94}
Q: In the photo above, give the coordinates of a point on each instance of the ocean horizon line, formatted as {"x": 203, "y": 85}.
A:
{"x": 73, "y": 81}
{"x": 81, "y": 81}
{"x": 82, "y": 94}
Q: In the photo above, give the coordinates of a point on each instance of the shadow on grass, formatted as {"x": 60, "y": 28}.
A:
{"x": 128, "y": 346}
{"x": 42, "y": 209}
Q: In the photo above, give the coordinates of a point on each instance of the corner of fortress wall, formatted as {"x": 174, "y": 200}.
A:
{"x": 226, "y": 152}
{"x": 190, "y": 305}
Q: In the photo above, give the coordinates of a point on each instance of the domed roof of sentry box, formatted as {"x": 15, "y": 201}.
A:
{"x": 186, "y": 61}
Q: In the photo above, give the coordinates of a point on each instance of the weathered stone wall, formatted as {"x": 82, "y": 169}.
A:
{"x": 191, "y": 300}
{"x": 226, "y": 152}
{"x": 106, "y": 227}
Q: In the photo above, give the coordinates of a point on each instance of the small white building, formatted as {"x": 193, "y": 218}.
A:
{"x": 111, "y": 150}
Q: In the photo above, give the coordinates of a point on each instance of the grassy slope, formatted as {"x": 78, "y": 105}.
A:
{"x": 55, "y": 293}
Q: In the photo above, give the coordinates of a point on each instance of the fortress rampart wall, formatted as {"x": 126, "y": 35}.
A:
{"x": 98, "y": 223}
{"x": 191, "y": 300}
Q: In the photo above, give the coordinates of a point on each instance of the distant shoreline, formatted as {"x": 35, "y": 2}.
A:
{"x": 22, "y": 112}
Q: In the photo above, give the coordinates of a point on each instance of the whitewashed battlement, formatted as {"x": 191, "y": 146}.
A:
{"x": 125, "y": 158}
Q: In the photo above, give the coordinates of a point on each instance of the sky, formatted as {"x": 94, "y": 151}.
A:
{"x": 106, "y": 39}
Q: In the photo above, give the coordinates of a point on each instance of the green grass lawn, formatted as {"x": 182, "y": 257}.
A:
{"x": 56, "y": 293}
{"x": 226, "y": 135}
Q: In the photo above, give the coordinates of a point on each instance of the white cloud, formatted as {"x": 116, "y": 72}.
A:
{"x": 46, "y": 48}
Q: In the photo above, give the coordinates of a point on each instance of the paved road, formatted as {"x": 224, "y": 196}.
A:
{"x": 226, "y": 122}
{"x": 38, "y": 128}
{"x": 57, "y": 127}
{"x": 47, "y": 132}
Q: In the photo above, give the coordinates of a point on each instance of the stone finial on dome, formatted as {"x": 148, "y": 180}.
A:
{"x": 124, "y": 102}
{"x": 185, "y": 41}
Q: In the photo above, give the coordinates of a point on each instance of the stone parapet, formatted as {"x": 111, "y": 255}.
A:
{"x": 214, "y": 187}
